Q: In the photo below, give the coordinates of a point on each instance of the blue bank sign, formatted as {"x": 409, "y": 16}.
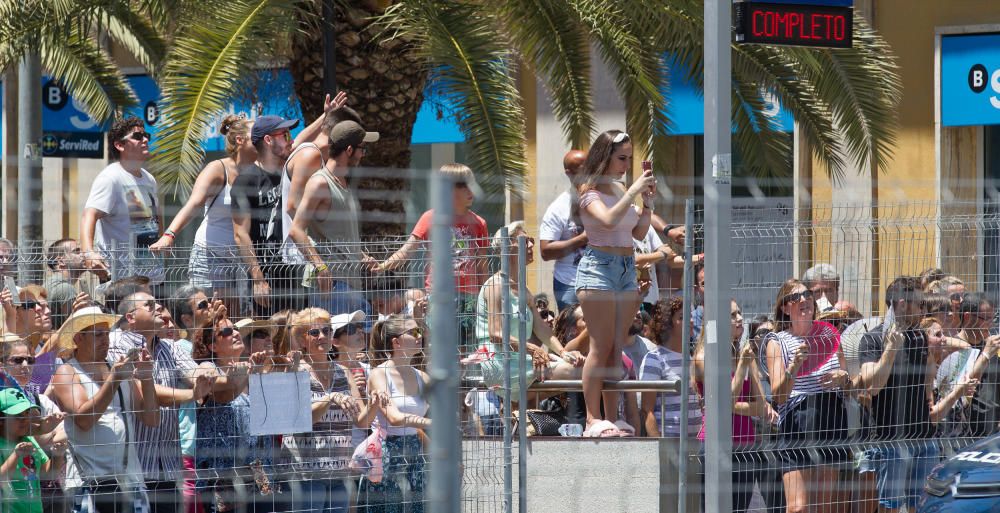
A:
{"x": 970, "y": 80}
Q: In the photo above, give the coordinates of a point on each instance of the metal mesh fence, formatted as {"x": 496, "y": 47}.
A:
{"x": 183, "y": 385}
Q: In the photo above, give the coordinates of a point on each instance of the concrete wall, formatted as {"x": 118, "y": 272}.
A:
{"x": 636, "y": 475}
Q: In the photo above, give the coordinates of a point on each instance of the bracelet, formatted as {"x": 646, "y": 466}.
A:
{"x": 321, "y": 267}
{"x": 666, "y": 256}
{"x": 169, "y": 233}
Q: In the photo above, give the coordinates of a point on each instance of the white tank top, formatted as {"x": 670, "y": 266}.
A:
{"x": 289, "y": 251}
{"x": 99, "y": 452}
{"x": 406, "y": 404}
{"x": 216, "y": 229}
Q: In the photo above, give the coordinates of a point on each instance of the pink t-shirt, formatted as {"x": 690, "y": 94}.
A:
{"x": 469, "y": 236}
{"x": 743, "y": 431}
{"x": 618, "y": 237}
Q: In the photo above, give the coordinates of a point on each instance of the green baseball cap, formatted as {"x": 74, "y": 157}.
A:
{"x": 14, "y": 402}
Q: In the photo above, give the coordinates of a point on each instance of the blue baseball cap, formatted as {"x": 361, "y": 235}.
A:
{"x": 264, "y": 125}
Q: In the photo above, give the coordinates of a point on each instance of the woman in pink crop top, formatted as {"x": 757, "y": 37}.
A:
{"x": 606, "y": 282}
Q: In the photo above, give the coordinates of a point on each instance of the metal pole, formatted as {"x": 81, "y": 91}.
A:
{"x": 688, "y": 284}
{"x": 444, "y": 493}
{"x": 29, "y": 167}
{"x": 718, "y": 173}
{"x": 508, "y": 459}
{"x": 522, "y": 354}
{"x": 329, "y": 48}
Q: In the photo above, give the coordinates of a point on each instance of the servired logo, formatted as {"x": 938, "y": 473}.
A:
{"x": 980, "y": 78}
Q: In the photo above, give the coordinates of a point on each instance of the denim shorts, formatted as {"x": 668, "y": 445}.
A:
{"x": 600, "y": 270}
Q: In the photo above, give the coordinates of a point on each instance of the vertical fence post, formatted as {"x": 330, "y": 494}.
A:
{"x": 522, "y": 352}
{"x": 508, "y": 459}
{"x": 688, "y": 284}
{"x": 718, "y": 259}
{"x": 446, "y": 444}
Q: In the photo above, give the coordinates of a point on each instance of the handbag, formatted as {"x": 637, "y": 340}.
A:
{"x": 540, "y": 422}
{"x": 367, "y": 458}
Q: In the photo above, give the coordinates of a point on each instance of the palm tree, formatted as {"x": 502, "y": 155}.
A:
{"x": 472, "y": 52}
{"x": 68, "y": 35}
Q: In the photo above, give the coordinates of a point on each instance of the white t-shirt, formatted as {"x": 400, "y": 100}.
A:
{"x": 557, "y": 225}
{"x": 648, "y": 245}
{"x": 130, "y": 223}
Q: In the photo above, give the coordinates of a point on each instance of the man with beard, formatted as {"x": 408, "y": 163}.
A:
{"x": 256, "y": 210}
{"x": 328, "y": 213}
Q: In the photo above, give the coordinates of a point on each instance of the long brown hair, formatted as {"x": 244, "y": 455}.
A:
{"x": 598, "y": 158}
{"x": 382, "y": 334}
{"x": 280, "y": 336}
{"x": 781, "y": 321}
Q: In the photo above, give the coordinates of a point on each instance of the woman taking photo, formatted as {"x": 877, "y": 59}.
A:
{"x": 747, "y": 403}
{"x": 606, "y": 281}
{"x": 214, "y": 263}
{"x": 396, "y": 342}
{"x": 806, "y": 367}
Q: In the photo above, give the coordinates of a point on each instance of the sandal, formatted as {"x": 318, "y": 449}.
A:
{"x": 624, "y": 428}
{"x": 602, "y": 429}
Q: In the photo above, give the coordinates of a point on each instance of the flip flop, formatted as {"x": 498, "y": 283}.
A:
{"x": 624, "y": 428}
{"x": 602, "y": 429}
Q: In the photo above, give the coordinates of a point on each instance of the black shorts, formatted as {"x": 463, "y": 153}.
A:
{"x": 813, "y": 432}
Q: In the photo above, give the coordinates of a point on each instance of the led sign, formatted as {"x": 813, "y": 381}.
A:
{"x": 828, "y": 26}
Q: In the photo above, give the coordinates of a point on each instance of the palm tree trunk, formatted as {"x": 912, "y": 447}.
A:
{"x": 384, "y": 83}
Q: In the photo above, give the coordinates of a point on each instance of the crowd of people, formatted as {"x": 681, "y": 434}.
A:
{"x": 124, "y": 390}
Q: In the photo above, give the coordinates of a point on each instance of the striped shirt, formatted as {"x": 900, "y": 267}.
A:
{"x": 159, "y": 447}
{"x": 327, "y": 450}
{"x": 824, "y": 344}
{"x": 663, "y": 364}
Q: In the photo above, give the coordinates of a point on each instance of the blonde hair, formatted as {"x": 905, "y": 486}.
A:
{"x": 233, "y": 126}
{"x": 460, "y": 173}
{"x": 299, "y": 323}
{"x": 512, "y": 228}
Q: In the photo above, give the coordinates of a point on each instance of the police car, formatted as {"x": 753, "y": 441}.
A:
{"x": 968, "y": 482}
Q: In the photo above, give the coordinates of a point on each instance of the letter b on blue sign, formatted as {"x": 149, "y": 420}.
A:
{"x": 978, "y": 77}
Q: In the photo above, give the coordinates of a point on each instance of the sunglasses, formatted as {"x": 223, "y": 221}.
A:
{"x": 139, "y": 136}
{"x": 956, "y": 297}
{"x": 805, "y": 295}
{"x": 28, "y": 304}
{"x": 325, "y": 330}
{"x": 284, "y": 134}
{"x": 620, "y": 138}
{"x": 148, "y": 304}
{"x": 202, "y": 305}
{"x": 363, "y": 149}
{"x": 349, "y": 329}
{"x": 225, "y": 332}
{"x": 19, "y": 360}
{"x": 415, "y": 333}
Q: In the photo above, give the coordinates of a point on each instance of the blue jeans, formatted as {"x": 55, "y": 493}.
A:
{"x": 565, "y": 294}
{"x": 599, "y": 270}
{"x": 902, "y": 468}
{"x": 321, "y": 496}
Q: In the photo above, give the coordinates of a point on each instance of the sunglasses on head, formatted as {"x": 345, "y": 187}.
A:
{"x": 202, "y": 305}
{"x": 805, "y": 295}
{"x": 19, "y": 360}
{"x": 139, "y": 136}
{"x": 28, "y": 304}
{"x": 225, "y": 332}
{"x": 325, "y": 330}
{"x": 620, "y": 138}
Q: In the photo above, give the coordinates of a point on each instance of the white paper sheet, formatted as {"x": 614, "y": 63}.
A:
{"x": 280, "y": 403}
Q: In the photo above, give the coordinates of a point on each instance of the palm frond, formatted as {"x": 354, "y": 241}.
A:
{"x": 134, "y": 32}
{"x": 473, "y": 70}
{"x": 204, "y": 67}
{"x": 764, "y": 151}
{"x": 640, "y": 73}
{"x": 87, "y": 73}
{"x": 550, "y": 39}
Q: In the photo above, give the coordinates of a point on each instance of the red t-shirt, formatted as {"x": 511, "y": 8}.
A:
{"x": 469, "y": 236}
